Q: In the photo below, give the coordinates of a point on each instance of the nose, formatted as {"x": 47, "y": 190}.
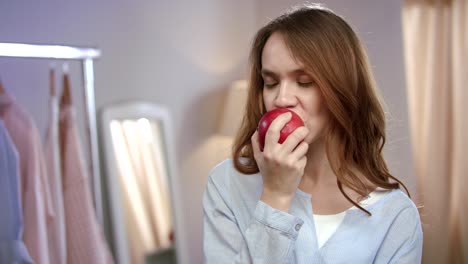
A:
{"x": 285, "y": 97}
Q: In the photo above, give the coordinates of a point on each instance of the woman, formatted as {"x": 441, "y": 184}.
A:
{"x": 325, "y": 195}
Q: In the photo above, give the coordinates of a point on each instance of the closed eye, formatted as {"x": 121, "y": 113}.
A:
{"x": 269, "y": 82}
{"x": 305, "y": 84}
{"x": 305, "y": 80}
{"x": 270, "y": 85}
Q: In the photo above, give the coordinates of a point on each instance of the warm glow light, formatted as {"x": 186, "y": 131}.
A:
{"x": 233, "y": 109}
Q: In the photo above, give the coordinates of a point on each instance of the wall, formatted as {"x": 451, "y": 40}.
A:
{"x": 175, "y": 53}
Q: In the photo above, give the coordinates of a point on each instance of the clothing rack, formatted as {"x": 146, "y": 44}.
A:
{"x": 87, "y": 57}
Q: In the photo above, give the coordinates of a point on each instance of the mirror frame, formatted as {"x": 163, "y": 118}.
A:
{"x": 116, "y": 221}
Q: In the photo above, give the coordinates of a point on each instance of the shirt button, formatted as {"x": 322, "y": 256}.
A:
{"x": 297, "y": 227}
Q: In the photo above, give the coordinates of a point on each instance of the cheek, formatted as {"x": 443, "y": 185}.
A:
{"x": 316, "y": 126}
{"x": 268, "y": 101}
{"x": 317, "y": 106}
{"x": 314, "y": 108}
{"x": 317, "y": 114}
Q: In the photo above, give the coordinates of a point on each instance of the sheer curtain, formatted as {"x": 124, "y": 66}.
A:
{"x": 436, "y": 58}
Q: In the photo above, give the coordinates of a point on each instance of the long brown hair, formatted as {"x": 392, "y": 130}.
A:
{"x": 336, "y": 60}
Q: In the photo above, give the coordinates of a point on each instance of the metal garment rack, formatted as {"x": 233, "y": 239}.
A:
{"x": 87, "y": 57}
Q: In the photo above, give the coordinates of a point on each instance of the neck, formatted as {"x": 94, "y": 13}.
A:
{"x": 318, "y": 171}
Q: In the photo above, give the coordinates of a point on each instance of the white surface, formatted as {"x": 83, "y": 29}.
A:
{"x": 46, "y": 51}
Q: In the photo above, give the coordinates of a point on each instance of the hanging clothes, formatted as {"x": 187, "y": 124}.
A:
{"x": 12, "y": 248}
{"x": 34, "y": 191}
{"x": 57, "y": 233}
{"x": 85, "y": 239}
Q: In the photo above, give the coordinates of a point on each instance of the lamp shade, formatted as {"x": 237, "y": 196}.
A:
{"x": 233, "y": 109}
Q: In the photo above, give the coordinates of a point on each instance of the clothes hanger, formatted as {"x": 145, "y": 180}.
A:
{"x": 52, "y": 80}
{"x": 66, "y": 97}
{"x": 2, "y": 90}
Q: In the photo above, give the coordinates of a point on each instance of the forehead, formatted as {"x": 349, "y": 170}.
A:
{"x": 277, "y": 57}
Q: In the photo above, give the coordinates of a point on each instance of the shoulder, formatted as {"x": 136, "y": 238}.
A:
{"x": 394, "y": 202}
{"x": 227, "y": 181}
{"x": 221, "y": 173}
{"x": 393, "y": 208}
{"x": 222, "y": 168}
{"x": 225, "y": 173}
{"x": 398, "y": 202}
{"x": 408, "y": 212}
{"x": 397, "y": 211}
{"x": 402, "y": 230}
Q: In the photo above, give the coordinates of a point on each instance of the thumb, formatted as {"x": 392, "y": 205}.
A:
{"x": 255, "y": 144}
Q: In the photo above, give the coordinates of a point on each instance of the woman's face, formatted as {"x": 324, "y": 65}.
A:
{"x": 287, "y": 85}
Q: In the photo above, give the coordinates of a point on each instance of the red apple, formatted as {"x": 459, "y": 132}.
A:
{"x": 268, "y": 117}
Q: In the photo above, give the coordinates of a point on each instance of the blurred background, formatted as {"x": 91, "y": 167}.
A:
{"x": 186, "y": 57}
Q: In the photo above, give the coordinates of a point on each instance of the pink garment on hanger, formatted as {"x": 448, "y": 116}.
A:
{"x": 57, "y": 233}
{"x": 85, "y": 239}
{"x": 35, "y": 196}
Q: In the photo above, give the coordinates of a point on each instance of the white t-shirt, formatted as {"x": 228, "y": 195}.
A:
{"x": 326, "y": 225}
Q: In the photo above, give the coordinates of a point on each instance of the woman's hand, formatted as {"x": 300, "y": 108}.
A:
{"x": 281, "y": 165}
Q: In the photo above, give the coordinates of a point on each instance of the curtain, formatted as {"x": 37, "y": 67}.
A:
{"x": 436, "y": 60}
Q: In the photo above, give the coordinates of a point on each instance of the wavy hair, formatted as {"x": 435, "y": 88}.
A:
{"x": 333, "y": 55}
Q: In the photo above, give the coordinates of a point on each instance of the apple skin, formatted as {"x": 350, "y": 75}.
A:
{"x": 268, "y": 117}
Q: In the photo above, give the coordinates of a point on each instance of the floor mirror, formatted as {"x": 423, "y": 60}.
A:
{"x": 139, "y": 178}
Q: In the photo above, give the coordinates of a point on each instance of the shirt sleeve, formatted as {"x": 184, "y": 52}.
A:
{"x": 404, "y": 240}
{"x": 269, "y": 238}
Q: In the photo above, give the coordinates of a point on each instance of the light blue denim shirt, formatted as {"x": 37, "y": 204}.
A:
{"x": 12, "y": 248}
{"x": 239, "y": 228}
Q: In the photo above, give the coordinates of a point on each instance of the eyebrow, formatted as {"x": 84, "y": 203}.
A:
{"x": 266, "y": 72}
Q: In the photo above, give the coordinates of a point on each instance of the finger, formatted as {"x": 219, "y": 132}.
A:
{"x": 300, "y": 151}
{"x": 273, "y": 133}
{"x": 303, "y": 161}
{"x": 293, "y": 140}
